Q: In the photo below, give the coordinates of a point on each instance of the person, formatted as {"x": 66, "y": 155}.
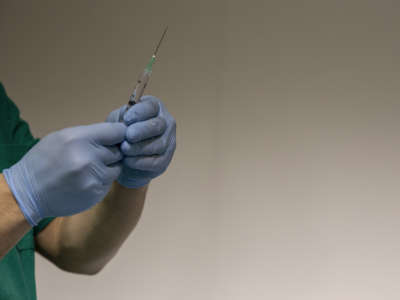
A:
{"x": 75, "y": 195}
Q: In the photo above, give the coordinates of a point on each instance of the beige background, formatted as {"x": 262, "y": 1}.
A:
{"x": 285, "y": 183}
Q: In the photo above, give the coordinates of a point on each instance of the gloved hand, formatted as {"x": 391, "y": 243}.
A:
{"x": 150, "y": 141}
{"x": 68, "y": 171}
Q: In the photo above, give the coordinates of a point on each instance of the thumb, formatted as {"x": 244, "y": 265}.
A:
{"x": 116, "y": 114}
{"x": 107, "y": 134}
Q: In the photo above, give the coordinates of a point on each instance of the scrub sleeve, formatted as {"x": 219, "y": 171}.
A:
{"x": 17, "y": 268}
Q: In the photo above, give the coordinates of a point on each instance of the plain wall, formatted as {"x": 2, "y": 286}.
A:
{"x": 285, "y": 182}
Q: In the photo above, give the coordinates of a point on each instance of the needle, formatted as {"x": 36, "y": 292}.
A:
{"x": 143, "y": 78}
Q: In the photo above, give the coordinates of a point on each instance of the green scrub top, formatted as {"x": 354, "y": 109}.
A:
{"x": 17, "y": 268}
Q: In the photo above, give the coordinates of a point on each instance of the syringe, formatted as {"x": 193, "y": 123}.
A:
{"x": 143, "y": 79}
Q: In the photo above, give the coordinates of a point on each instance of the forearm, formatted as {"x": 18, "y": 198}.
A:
{"x": 13, "y": 225}
{"x": 85, "y": 242}
{"x": 90, "y": 239}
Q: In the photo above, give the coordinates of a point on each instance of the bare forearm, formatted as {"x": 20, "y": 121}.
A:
{"x": 13, "y": 225}
{"x": 90, "y": 239}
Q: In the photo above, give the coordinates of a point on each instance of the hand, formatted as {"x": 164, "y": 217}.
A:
{"x": 150, "y": 141}
{"x": 68, "y": 171}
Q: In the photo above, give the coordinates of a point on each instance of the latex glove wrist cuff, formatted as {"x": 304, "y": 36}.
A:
{"x": 132, "y": 183}
{"x": 23, "y": 192}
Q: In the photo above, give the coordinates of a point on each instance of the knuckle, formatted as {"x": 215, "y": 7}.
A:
{"x": 173, "y": 124}
{"x": 173, "y": 145}
{"x": 79, "y": 163}
{"x": 66, "y": 136}
{"x": 159, "y": 125}
{"x": 163, "y": 124}
{"x": 155, "y": 166}
{"x": 129, "y": 132}
{"x": 77, "y": 158}
{"x": 153, "y": 123}
{"x": 132, "y": 133}
{"x": 156, "y": 149}
{"x": 163, "y": 145}
{"x": 133, "y": 113}
{"x": 155, "y": 106}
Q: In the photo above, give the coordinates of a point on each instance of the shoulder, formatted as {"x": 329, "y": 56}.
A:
{"x": 3, "y": 97}
{"x": 2, "y": 90}
{"x": 3, "y": 94}
{"x": 7, "y": 107}
{"x": 13, "y": 129}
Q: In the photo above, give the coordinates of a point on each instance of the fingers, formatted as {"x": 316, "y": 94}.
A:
{"x": 109, "y": 155}
{"x": 154, "y": 163}
{"x": 106, "y": 134}
{"x": 112, "y": 172}
{"x": 152, "y": 146}
{"x": 115, "y": 115}
{"x": 147, "y": 108}
{"x": 146, "y": 129}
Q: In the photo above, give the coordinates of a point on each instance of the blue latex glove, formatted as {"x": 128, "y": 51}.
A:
{"x": 150, "y": 141}
{"x": 68, "y": 171}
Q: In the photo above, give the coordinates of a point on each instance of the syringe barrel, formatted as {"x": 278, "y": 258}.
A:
{"x": 140, "y": 86}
